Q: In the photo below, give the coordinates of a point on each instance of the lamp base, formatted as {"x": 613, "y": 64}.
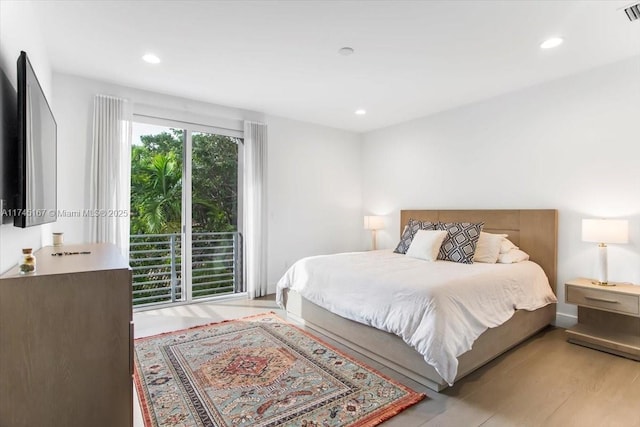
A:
{"x": 599, "y": 283}
{"x": 603, "y": 280}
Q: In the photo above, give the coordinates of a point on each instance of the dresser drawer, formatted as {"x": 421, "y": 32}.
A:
{"x": 602, "y": 299}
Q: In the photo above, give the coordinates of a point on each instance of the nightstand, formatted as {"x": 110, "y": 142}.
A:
{"x": 608, "y": 317}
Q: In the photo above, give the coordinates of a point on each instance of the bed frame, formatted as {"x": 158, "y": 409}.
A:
{"x": 535, "y": 231}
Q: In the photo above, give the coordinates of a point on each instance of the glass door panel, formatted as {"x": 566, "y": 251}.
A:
{"x": 186, "y": 213}
{"x": 215, "y": 249}
{"x": 156, "y": 213}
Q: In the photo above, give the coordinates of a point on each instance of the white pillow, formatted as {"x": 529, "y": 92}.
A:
{"x": 513, "y": 256}
{"x": 506, "y": 246}
{"x": 426, "y": 244}
{"x": 488, "y": 247}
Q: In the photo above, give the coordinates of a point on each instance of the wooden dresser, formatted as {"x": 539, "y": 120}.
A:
{"x": 66, "y": 340}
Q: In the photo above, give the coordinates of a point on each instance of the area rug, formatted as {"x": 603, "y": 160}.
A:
{"x": 259, "y": 371}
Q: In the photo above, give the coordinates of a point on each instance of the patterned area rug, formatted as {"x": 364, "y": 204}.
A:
{"x": 259, "y": 371}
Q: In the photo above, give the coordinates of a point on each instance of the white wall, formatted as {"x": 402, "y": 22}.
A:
{"x": 315, "y": 204}
{"x": 571, "y": 144}
{"x": 19, "y": 31}
{"x": 314, "y": 172}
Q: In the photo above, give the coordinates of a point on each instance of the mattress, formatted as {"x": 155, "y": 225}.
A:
{"x": 438, "y": 308}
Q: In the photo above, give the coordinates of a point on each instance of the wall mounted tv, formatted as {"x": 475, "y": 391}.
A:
{"x": 36, "y": 197}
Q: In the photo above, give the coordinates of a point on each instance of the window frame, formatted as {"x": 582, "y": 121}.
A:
{"x": 188, "y": 128}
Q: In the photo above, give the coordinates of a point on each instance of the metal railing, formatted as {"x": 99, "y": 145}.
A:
{"x": 156, "y": 261}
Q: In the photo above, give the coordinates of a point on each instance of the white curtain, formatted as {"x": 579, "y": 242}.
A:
{"x": 255, "y": 208}
{"x": 111, "y": 172}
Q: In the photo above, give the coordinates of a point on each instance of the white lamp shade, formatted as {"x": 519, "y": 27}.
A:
{"x": 605, "y": 230}
{"x": 373, "y": 222}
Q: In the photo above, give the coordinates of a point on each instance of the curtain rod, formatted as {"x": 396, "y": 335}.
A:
{"x": 187, "y": 123}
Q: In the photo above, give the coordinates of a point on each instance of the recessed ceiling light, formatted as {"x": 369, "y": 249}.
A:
{"x": 151, "y": 58}
{"x": 551, "y": 43}
{"x": 360, "y": 112}
{"x": 346, "y": 51}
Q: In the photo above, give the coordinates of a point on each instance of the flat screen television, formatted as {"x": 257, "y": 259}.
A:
{"x": 36, "y": 198}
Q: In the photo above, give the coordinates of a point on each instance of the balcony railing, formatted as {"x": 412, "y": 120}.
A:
{"x": 156, "y": 261}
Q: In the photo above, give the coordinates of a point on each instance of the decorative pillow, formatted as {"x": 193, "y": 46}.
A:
{"x": 410, "y": 231}
{"x": 407, "y": 235}
{"x": 513, "y": 256}
{"x": 506, "y": 246}
{"x": 426, "y": 244}
{"x": 488, "y": 247}
{"x": 460, "y": 243}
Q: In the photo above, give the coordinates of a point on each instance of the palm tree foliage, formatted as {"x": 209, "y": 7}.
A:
{"x": 156, "y": 183}
{"x": 156, "y": 209}
{"x": 214, "y": 182}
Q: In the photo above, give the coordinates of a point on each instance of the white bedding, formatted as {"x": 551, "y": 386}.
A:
{"x": 439, "y": 308}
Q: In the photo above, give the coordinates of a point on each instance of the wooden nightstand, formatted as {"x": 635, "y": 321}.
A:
{"x": 608, "y": 317}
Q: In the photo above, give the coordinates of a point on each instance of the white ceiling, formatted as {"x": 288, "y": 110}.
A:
{"x": 412, "y": 58}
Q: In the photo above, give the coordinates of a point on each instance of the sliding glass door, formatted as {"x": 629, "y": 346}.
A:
{"x": 186, "y": 210}
{"x": 215, "y": 245}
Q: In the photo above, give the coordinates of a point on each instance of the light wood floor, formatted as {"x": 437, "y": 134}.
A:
{"x": 543, "y": 382}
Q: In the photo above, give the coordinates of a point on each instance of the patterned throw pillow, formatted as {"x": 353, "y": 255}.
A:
{"x": 460, "y": 243}
{"x": 410, "y": 231}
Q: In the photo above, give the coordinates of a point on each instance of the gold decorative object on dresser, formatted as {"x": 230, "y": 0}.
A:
{"x": 66, "y": 340}
{"x": 608, "y": 317}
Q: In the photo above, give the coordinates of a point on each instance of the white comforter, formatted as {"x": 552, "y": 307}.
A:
{"x": 439, "y": 308}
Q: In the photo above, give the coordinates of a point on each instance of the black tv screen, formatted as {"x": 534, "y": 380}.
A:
{"x": 37, "y": 146}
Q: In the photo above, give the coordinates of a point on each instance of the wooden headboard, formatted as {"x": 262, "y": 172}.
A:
{"x": 535, "y": 231}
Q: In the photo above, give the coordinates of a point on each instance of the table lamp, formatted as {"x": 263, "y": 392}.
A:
{"x": 603, "y": 231}
{"x": 373, "y": 223}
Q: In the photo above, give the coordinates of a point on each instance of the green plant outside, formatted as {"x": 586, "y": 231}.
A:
{"x": 156, "y": 209}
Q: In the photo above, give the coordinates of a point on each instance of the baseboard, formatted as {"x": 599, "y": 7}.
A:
{"x": 565, "y": 320}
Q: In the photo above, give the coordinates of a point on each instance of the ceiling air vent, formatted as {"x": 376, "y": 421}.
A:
{"x": 633, "y": 12}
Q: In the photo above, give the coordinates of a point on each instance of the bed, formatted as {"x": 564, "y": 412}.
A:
{"x": 535, "y": 231}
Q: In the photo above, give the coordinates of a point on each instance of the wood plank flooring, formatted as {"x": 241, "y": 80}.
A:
{"x": 543, "y": 382}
